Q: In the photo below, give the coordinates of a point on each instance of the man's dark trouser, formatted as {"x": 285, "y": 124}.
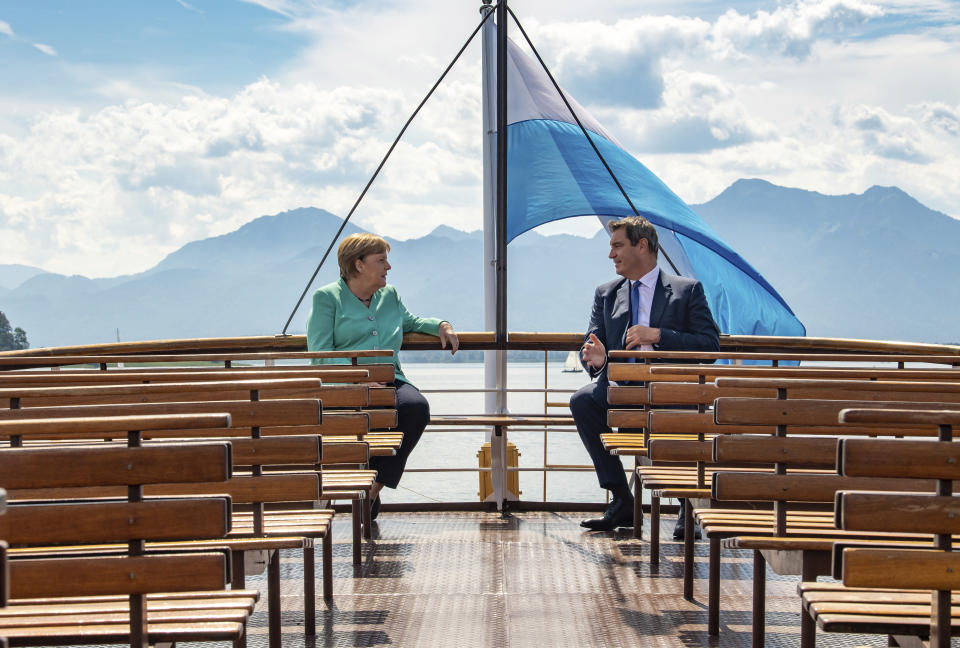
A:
{"x": 589, "y": 406}
{"x": 413, "y": 414}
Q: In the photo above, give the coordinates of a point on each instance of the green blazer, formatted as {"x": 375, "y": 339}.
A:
{"x": 340, "y": 321}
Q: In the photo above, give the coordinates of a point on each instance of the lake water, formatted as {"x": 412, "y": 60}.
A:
{"x": 458, "y": 449}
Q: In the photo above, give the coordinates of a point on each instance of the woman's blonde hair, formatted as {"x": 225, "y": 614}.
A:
{"x": 357, "y": 246}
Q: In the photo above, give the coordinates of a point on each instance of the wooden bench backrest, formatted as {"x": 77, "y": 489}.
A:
{"x": 937, "y": 568}
{"x": 627, "y": 395}
{"x": 812, "y": 452}
{"x": 345, "y": 452}
{"x": 764, "y": 411}
{"x": 332, "y": 396}
{"x": 898, "y": 512}
{"x": 113, "y": 521}
{"x": 713, "y": 372}
{"x": 243, "y": 413}
{"x": 374, "y": 372}
{"x": 801, "y": 487}
{"x": 899, "y": 458}
{"x": 113, "y": 465}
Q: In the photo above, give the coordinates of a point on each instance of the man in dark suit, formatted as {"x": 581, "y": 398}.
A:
{"x": 645, "y": 309}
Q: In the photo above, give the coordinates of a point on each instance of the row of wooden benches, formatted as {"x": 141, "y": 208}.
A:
{"x": 758, "y": 457}
{"x": 282, "y": 423}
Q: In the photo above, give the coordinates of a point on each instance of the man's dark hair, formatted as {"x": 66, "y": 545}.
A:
{"x": 638, "y": 228}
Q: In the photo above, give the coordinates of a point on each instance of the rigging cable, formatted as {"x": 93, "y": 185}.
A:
{"x": 583, "y": 129}
{"x": 363, "y": 193}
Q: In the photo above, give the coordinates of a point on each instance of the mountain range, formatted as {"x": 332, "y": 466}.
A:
{"x": 871, "y": 265}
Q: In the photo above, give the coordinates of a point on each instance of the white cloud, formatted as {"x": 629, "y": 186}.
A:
{"x": 5, "y": 28}
{"x": 699, "y": 113}
{"x": 46, "y": 49}
{"x": 96, "y": 192}
{"x": 799, "y": 95}
{"x": 835, "y": 150}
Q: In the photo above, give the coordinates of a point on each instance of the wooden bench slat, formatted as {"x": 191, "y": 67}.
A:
{"x": 345, "y": 452}
{"x": 904, "y": 414}
{"x": 116, "y": 521}
{"x": 891, "y": 511}
{"x": 307, "y": 449}
{"x": 762, "y": 411}
{"x": 108, "y": 424}
{"x": 809, "y": 451}
{"x": 669, "y": 450}
{"x": 684, "y": 393}
{"x": 899, "y": 458}
{"x": 51, "y": 577}
{"x": 739, "y": 486}
{"x": 78, "y": 467}
{"x": 627, "y": 395}
{"x": 297, "y": 487}
{"x": 242, "y": 412}
{"x": 902, "y": 569}
{"x": 169, "y": 632}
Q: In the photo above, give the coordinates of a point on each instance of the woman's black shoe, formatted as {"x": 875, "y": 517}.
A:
{"x": 375, "y": 508}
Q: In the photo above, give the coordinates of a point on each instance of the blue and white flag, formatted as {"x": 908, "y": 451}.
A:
{"x": 553, "y": 173}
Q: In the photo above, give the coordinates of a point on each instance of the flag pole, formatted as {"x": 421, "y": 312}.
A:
{"x": 494, "y": 84}
{"x": 502, "y": 175}
{"x": 493, "y": 360}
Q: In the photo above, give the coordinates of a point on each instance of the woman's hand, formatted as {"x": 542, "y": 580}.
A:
{"x": 447, "y": 334}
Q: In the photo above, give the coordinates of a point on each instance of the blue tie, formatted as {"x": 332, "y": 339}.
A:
{"x": 635, "y": 303}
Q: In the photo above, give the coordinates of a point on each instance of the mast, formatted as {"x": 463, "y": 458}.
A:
{"x": 494, "y": 208}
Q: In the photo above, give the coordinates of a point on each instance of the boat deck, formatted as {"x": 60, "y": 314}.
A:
{"x": 532, "y": 578}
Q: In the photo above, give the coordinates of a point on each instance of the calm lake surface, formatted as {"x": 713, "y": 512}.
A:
{"x": 458, "y": 449}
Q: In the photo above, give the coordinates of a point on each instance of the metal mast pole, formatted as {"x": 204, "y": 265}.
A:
{"x": 495, "y": 236}
{"x": 492, "y": 360}
{"x": 502, "y": 175}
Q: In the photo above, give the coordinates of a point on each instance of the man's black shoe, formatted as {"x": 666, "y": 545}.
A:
{"x": 678, "y": 530}
{"x": 618, "y": 514}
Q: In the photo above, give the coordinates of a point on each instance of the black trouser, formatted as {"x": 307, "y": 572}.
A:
{"x": 413, "y": 414}
{"x": 589, "y": 407}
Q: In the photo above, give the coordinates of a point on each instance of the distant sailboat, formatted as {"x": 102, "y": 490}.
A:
{"x": 572, "y": 363}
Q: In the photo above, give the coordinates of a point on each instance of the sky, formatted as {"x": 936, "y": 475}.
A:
{"x": 128, "y": 129}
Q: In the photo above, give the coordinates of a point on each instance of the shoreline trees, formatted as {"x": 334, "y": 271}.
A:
{"x": 11, "y": 339}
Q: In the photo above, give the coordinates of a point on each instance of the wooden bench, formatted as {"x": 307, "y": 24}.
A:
{"x": 136, "y": 573}
{"x": 692, "y": 482}
{"x": 273, "y": 529}
{"x": 788, "y": 554}
{"x": 271, "y": 416}
{"x": 887, "y": 590}
{"x": 694, "y": 426}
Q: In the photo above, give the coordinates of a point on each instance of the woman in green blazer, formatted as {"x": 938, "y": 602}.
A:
{"x": 360, "y": 311}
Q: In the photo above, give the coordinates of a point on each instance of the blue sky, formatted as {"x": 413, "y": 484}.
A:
{"x": 130, "y": 128}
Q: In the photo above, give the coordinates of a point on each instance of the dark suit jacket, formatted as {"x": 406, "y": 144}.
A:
{"x": 679, "y": 310}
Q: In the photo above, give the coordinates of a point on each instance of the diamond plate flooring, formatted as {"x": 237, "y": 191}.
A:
{"x": 469, "y": 579}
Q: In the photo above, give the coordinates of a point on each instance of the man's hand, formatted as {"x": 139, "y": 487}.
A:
{"x": 593, "y": 352}
{"x": 448, "y": 335}
{"x": 639, "y": 335}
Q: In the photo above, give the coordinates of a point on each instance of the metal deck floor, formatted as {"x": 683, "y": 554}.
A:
{"x": 534, "y": 578}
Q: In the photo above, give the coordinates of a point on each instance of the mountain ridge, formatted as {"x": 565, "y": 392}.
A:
{"x": 852, "y": 265}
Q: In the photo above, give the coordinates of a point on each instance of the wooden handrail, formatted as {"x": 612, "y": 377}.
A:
{"x": 940, "y": 358}
{"x": 235, "y": 346}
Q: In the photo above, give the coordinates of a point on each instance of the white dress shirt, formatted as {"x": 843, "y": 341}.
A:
{"x": 648, "y": 284}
